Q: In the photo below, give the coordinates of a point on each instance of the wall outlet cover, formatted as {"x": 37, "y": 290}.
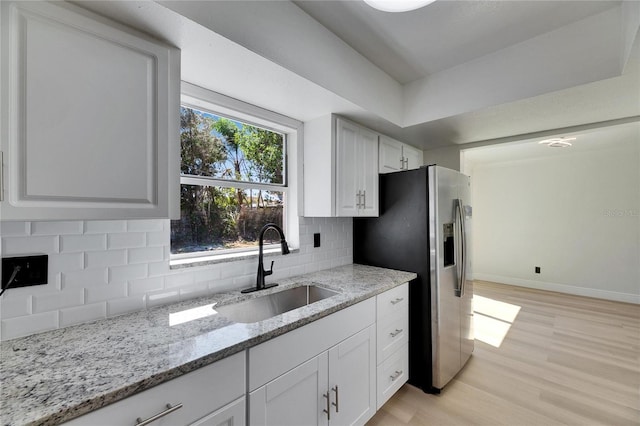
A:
{"x": 33, "y": 270}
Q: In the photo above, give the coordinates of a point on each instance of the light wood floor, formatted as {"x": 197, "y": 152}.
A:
{"x": 565, "y": 360}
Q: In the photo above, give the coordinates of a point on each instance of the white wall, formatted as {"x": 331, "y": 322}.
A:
{"x": 99, "y": 269}
{"x": 576, "y": 216}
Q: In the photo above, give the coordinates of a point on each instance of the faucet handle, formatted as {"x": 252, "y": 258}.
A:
{"x": 270, "y": 271}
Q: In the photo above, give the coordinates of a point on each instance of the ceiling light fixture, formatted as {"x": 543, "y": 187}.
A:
{"x": 397, "y": 5}
{"x": 557, "y": 142}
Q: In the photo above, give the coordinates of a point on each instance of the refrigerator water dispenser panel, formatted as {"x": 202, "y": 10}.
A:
{"x": 448, "y": 245}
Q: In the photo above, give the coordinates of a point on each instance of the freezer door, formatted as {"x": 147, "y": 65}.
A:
{"x": 445, "y": 253}
{"x": 466, "y": 299}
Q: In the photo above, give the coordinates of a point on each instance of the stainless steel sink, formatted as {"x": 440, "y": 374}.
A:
{"x": 263, "y": 307}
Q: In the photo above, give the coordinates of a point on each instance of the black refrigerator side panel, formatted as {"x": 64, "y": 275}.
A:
{"x": 399, "y": 239}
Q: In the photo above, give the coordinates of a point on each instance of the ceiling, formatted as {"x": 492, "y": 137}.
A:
{"x": 603, "y": 138}
{"x": 453, "y": 72}
{"x": 412, "y": 45}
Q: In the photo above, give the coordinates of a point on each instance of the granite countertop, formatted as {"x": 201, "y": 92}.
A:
{"x": 52, "y": 377}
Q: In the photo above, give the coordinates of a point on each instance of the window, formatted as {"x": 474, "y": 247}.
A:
{"x": 234, "y": 178}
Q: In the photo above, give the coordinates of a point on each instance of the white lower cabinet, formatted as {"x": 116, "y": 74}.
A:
{"x": 336, "y": 387}
{"x": 337, "y": 370}
{"x": 392, "y": 323}
{"x": 211, "y": 395}
{"x": 295, "y": 398}
{"x": 321, "y": 374}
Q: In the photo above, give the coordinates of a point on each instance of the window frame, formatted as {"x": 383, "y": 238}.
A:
{"x": 215, "y": 103}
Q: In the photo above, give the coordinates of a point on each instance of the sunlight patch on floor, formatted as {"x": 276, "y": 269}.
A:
{"x": 492, "y": 319}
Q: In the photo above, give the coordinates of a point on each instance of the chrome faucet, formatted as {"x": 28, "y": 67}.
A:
{"x": 260, "y": 285}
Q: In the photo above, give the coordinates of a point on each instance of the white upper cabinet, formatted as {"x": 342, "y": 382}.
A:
{"x": 340, "y": 169}
{"x": 90, "y": 117}
{"x": 395, "y": 155}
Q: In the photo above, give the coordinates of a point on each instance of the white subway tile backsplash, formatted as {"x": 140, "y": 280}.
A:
{"x": 146, "y": 254}
{"x": 105, "y": 258}
{"x": 126, "y": 305}
{"x": 100, "y": 293}
{"x": 85, "y": 277}
{"x": 30, "y": 245}
{"x": 162, "y": 298}
{"x": 57, "y": 228}
{"x": 158, "y": 238}
{"x": 30, "y": 324}
{"x": 146, "y": 285}
{"x": 194, "y": 291}
{"x": 104, "y": 226}
{"x": 127, "y": 272}
{"x": 84, "y": 313}
{"x": 179, "y": 280}
{"x": 145, "y": 225}
{"x": 206, "y": 274}
{"x": 66, "y": 262}
{"x": 15, "y": 229}
{"x": 14, "y": 306}
{"x": 79, "y": 243}
{"x": 126, "y": 240}
{"x": 60, "y": 299}
{"x": 158, "y": 268}
{"x": 107, "y": 268}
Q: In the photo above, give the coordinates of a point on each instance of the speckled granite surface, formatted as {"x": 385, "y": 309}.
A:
{"x": 52, "y": 377}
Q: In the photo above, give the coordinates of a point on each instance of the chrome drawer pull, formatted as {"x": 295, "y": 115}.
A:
{"x": 396, "y": 301}
{"x": 170, "y": 409}
{"x": 396, "y": 375}
{"x": 395, "y": 333}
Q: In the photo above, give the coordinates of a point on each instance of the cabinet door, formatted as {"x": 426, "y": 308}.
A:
{"x": 352, "y": 379}
{"x": 391, "y": 159}
{"x": 89, "y": 117}
{"x": 230, "y": 415}
{"x": 368, "y": 162}
{"x": 296, "y": 398}
{"x": 347, "y": 169}
{"x": 413, "y": 157}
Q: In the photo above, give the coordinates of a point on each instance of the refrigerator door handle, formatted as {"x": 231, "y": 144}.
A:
{"x": 463, "y": 247}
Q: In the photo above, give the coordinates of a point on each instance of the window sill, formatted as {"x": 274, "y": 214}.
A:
{"x": 204, "y": 260}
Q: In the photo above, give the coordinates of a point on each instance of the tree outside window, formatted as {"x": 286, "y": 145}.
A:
{"x": 233, "y": 181}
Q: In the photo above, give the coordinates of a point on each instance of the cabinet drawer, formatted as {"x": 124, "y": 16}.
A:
{"x": 201, "y": 392}
{"x": 392, "y": 333}
{"x": 392, "y": 301}
{"x": 392, "y": 374}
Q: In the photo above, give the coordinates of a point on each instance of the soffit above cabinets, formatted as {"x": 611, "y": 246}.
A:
{"x": 452, "y": 72}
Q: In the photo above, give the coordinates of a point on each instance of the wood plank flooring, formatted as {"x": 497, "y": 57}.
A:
{"x": 565, "y": 360}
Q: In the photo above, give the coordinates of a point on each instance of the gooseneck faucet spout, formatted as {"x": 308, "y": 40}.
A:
{"x": 262, "y": 273}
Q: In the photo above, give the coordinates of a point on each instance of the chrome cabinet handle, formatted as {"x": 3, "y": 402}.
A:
{"x": 397, "y": 300}
{"x": 401, "y": 163}
{"x": 396, "y": 375}
{"x": 170, "y": 409}
{"x": 364, "y": 198}
{"x": 328, "y": 409}
{"x": 336, "y": 404}
{"x": 396, "y": 332}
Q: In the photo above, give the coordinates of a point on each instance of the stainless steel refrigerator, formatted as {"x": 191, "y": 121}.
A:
{"x": 425, "y": 227}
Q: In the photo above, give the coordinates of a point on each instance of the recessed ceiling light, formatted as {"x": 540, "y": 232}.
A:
{"x": 397, "y": 5}
{"x": 557, "y": 142}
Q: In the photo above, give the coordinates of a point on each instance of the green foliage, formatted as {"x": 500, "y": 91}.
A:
{"x": 217, "y": 217}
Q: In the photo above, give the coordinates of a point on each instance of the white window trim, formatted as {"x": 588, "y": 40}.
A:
{"x": 207, "y": 100}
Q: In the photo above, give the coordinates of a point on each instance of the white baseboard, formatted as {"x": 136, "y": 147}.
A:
{"x": 561, "y": 288}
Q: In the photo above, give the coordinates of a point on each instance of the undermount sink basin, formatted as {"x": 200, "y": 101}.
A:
{"x": 270, "y": 305}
